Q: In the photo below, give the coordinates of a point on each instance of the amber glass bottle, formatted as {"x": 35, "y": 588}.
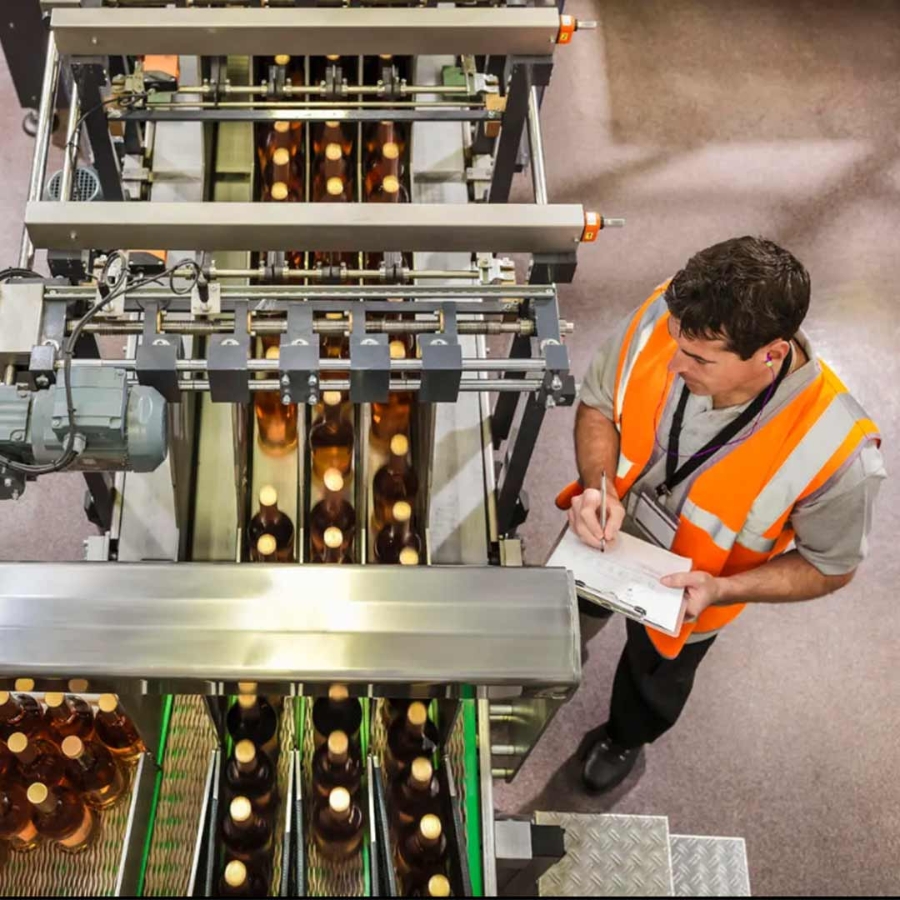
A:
{"x": 392, "y": 418}
{"x": 281, "y": 192}
{"x": 331, "y": 133}
{"x": 336, "y": 764}
{"x": 384, "y": 133}
{"x": 282, "y": 135}
{"x": 38, "y": 759}
{"x": 336, "y": 712}
{"x": 410, "y": 737}
{"x": 239, "y": 880}
{"x": 385, "y": 164}
{"x": 338, "y": 826}
{"x": 269, "y": 519}
{"x": 387, "y": 191}
{"x": 116, "y": 730}
{"x": 333, "y": 189}
{"x": 421, "y": 849}
{"x": 19, "y": 712}
{"x": 16, "y": 825}
{"x": 93, "y": 771}
{"x": 60, "y": 816}
{"x": 395, "y": 480}
{"x": 428, "y": 884}
{"x": 67, "y": 714}
{"x": 397, "y": 536}
{"x": 333, "y": 510}
{"x": 250, "y": 773}
{"x": 246, "y": 834}
{"x": 276, "y": 421}
{"x": 254, "y": 719}
{"x": 414, "y": 793}
{"x": 331, "y": 438}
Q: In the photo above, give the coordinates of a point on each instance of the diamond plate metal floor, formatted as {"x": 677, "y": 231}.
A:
{"x": 610, "y": 856}
{"x": 709, "y": 866}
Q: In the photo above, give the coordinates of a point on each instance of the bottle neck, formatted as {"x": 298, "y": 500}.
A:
{"x": 401, "y": 530}
{"x": 48, "y": 804}
{"x": 248, "y": 768}
{"x": 268, "y": 515}
{"x": 28, "y": 755}
{"x": 333, "y": 415}
{"x": 337, "y": 760}
{"x": 333, "y": 554}
{"x": 397, "y": 465}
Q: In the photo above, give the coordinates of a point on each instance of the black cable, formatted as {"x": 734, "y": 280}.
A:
{"x": 127, "y": 101}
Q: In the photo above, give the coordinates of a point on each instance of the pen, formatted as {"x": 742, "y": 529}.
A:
{"x": 603, "y": 512}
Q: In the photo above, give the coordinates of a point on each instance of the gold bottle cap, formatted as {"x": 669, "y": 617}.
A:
{"x": 72, "y": 746}
{"x": 282, "y": 59}
{"x": 244, "y": 751}
{"x": 422, "y": 770}
{"x": 268, "y": 496}
{"x": 37, "y": 793}
{"x": 338, "y": 743}
{"x": 235, "y": 873}
{"x": 338, "y": 693}
{"x": 107, "y": 703}
{"x": 240, "y": 809}
{"x": 246, "y": 701}
{"x": 333, "y": 537}
{"x": 430, "y": 827}
{"x": 331, "y": 398}
{"x": 333, "y": 57}
{"x": 332, "y": 124}
{"x": 282, "y": 127}
{"x": 385, "y": 56}
{"x": 397, "y": 350}
{"x": 438, "y": 886}
{"x": 385, "y": 122}
{"x": 333, "y": 317}
{"x": 17, "y": 742}
{"x": 339, "y": 800}
{"x": 280, "y": 190}
{"x": 335, "y": 186}
{"x": 390, "y": 150}
{"x": 53, "y": 699}
{"x": 247, "y": 687}
{"x": 399, "y": 445}
{"x": 402, "y": 511}
{"x": 282, "y": 156}
{"x": 78, "y": 685}
{"x": 391, "y": 184}
{"x": 409, "y": 556}
{"x": 24, "y": 684}
{"x": 333, "y": 151}
{"x": 273, "y": 352}
{"x": 333, "y": 479}
{"x": 417, "y": 714}
{"x": 4, "y": 698}
{"x": 266, "y": 545}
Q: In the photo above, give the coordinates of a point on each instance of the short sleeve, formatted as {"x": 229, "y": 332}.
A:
{"x": 599, "y": 383}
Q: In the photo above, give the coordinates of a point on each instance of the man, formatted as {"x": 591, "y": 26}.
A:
{"x": 723, "y": 439}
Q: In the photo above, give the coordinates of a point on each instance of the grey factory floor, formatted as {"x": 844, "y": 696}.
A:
{"x": 699, "y": 121}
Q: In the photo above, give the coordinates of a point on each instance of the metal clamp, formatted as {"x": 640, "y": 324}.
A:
{"x": 299, "y": 357}
{"x": 370, "y": 364}
{"x": 227, "y": 357}
{"x": 156, "y": 359}
{"x": 441, "y": 361}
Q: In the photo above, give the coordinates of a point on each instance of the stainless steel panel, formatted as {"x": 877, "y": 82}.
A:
{"x": 136, "y": 829}
{"x": 709, "y": 866}
{"x": 196, "y": 622}
{"x": 501, "y": 227}
{"x": 218, "y": 32}
{"x": 21, "y": 311}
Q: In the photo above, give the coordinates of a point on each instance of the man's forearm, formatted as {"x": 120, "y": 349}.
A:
{"x": 596, "y": 446}
{"x": 785, "y": 579}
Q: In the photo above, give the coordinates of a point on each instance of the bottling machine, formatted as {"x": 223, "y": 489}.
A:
{"x": 141, "y": 364}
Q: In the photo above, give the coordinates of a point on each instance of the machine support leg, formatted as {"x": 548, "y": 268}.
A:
{"x": 506, "y": 157}
{"x": 90, "y": 78}
{"x": 509, "y": 505}
{"x": 524, "y": 852}
{"x": 505, "y": 408}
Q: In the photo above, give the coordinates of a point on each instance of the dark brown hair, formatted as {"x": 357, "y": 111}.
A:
{"x": 747, "y": 291}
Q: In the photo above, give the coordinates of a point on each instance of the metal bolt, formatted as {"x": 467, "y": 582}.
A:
{"x": 15, "y": 495}
{"x": 285, "y": 380}
{"x": 285, "y": 398}
{"x": 42, "y": 381}
{"x": 313, "y": 380}
{"x": 556, "y": 383}
{"x": 313, "y": 398}
{"x": 549, "y": 403}
{"x": 7, "y": 482}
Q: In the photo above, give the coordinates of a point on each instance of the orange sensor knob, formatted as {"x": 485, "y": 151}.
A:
{"x": 592, "y": 225}
{"x": 567, "y": 26}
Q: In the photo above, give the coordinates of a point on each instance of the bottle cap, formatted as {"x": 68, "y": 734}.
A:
{"x": 235, "y": 873}
{"x": 266, "y": 545}
{"x": 385, "y": 56}
{"x": 247, "y": 687}
{"x": 331, "y": 398}
{"x": 268, "y": 496}
{"x": 72, "y": 746}
{"x": 26, "y": 684}
{"x": 338, "y": 692}
{"x": 107, "y": 703}
{"x": 422, "y": 770}
{"x": 4, "y": 698}
{"x": 417, "y": 714}
{"x": 282, "y": 127}
{"x": 240, "y": 809}
{"x": 430, "y": 827}
{"x": 280, "y": 190}
{"x": 246, "y": 701}
{"x": 282, "y": 156}
{"x": 335, "y": 186}
{"x": 333, "y": 537}
{"x": 390, "y": 150}
{"x": 409, "y": 556}
{"x": 53, "y": 699}
{"x": 339, "y": 800}
{"x": 338, "y": 743}
{"x": 282, "y": 59}
{"x": 273, "y": 352}
{"x": 402, "y": 511}
{"x": 332, "y": 124}
{"x": 397, "y": 350}
{"x": 333, "y": 479}
{"x": 391, "y": 184}
{"x": 438, "y": 886}
{"x": 244, "y": 751}
{"x": 77, "y": 685}
{"x": 37, "y": 793}
{"x": 333, "y": 151}
{"x": 333, "y": 57}
{"x": 17, "y": 742}
{"x": 399, "y": 445}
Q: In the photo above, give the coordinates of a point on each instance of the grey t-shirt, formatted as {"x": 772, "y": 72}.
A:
{"x": 831, "y": 527}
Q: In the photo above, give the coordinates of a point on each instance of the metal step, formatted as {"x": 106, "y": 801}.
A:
{"x": 709, "y": 866}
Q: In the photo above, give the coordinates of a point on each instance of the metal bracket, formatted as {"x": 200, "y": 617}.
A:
{"x": 496, "y": 271}
{"x": 227, "y": 357}
{"x": 370, "y": 364}
{"x": 441, "y": 361}
{"x": 206, "y": 298}
{"x": 299, "y": 357}
{"x": 156, "y": 357}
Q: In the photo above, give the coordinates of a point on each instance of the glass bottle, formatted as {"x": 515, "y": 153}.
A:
{"x": 282, "y": 135}
{"x": 38, "y": 759}
{"x": 392, "y": 418}
{"x": 93, "y": 771}
{"x": 428, "y": 884}
{"x": 239, "y": 881}
{"x": 246, "y": 834}
{"x": 396, "y": 479}
{"x": 67, "y": 714}
{"x": 386, "y": 191}
{"x": 382, "y": 165}
{"x": 331, "y": 438}
{"x": 332, "y": 510}
{"x": 116, "y": 730}
{"x": 266, "y": 550}
{"x": 20, "y": 712}
{"x": 254, "y": 719}
{"x": 282, "y": 191}
{"x": 414, "y": 794}
{"x": 333, "y": 189}
{"x": 8, "y": 765}
{"x": 333, "y": 164}
{"x": 410, "y": 737}
{"x": 409, "y": 556}
{"x": 276, "y": 421}
{"x": 421, "y": 849}
{"x": 16, "y": 825}
{"x": 293, "y": 68}
{"x": 397, "y": 535}
{"x": 336, "y": 712}
{"x": 269, "y": 519}
{"x": 384, "y": 133}
{"x": 338, "y": 826}
{"x": 250, "y": 773}
{"x": 334, "y": 552}
{"x": 335, "y": 765}
{"x": 60, "y": 816}
{"x": 331, "y": 133}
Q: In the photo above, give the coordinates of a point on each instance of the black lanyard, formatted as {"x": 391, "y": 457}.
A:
{"x": 675, "y": 474}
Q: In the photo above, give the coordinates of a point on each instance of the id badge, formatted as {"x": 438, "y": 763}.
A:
{"x": 655, "y": 523}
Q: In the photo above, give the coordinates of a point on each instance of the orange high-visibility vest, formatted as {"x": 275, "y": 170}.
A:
{"x": 736, "y": 511}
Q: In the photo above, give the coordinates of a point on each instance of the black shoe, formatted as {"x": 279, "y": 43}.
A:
{"x": 607, "y": 764}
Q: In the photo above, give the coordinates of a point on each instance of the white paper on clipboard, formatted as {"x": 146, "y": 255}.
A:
{"x": 625, "y": 578}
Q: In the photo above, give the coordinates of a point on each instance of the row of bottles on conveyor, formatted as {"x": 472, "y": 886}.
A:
{"x": 61, "y": 763}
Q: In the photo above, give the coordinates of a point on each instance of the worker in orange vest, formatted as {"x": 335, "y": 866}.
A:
{"x": 727, "y": 441}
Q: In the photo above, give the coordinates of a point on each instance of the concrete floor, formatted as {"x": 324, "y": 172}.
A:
{"x": 699, "y": 121}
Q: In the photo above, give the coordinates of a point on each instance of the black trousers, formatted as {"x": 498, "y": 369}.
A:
{"x": 650, "y": 691}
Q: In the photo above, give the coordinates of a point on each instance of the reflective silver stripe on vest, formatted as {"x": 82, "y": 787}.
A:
{"x": 805, "y": 461}
{"x": 654, "y": 312}
{"x": 719, "y": 533}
